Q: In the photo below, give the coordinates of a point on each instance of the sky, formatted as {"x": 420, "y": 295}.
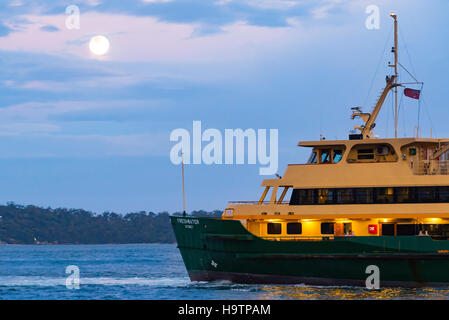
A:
{"x": 92, "y": 132}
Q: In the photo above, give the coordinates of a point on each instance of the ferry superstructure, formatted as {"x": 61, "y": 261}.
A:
{"x": 356, "y": 203}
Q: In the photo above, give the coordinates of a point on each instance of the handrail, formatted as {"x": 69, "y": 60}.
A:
{"x": 255, "y": 202}
{"x": 441, "y": 151}
{"x": 431, "y": 167}
{"x": 298, "y": 238}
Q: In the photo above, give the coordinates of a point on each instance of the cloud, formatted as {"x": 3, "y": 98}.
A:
{"x": 49, "y": 28}
{"x": 4, "y": 30}
{"x": 16, "y": 3}
{"x": 144, "y": 39}
{"x": 272, "y": 4}
{"x": 43, "y": 72}
{"x": 39, "y": 112}
{"x": 92, "y": 3}
{"x": 40, "y": 145}
{"x": 156, "y": 1}
{"x": 44, "y": 129}
{"x": 156, "y": 30}
{"x": 20, "y": 128}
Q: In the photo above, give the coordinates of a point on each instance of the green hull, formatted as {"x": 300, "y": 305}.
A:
{"x": 216, "y": 249}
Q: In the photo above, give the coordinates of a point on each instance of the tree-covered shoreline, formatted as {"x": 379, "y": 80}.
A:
{"x": 36, "y": 225}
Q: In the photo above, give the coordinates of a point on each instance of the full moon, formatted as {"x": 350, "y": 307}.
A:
{"x": 99, "y": 45}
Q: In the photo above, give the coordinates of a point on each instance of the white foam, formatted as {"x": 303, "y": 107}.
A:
{"x": 15, "y": 281}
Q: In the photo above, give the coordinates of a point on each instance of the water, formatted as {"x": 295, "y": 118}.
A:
{"x": 148, "y": 271}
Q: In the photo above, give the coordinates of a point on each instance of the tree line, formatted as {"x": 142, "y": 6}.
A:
{"x": 36, "y": 225}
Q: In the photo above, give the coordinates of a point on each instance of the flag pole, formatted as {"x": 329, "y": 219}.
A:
{"x": 183, "y": 188}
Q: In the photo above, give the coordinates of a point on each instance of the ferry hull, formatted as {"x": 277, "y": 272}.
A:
{"x": 216, "y": 249}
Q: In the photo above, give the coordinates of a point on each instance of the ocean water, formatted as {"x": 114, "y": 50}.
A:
{"x": 147, "y": 271}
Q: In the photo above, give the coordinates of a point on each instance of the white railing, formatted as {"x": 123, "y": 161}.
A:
{"x": 431, "y": 167}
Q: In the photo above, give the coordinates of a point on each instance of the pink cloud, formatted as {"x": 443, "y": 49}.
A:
{"x": 144, "y": 39}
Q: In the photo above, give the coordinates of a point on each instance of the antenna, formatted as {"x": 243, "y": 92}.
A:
{"x": 183, "y": 188}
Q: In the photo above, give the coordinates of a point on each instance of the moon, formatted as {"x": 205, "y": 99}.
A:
{"x": 99, "y": 45}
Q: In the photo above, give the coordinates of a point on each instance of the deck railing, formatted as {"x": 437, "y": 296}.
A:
{"x": 431, "y": 167}
{"x": 255, "y": 202}
{"x": 299, "y": 238}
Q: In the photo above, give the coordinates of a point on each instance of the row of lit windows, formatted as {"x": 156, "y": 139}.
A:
{"x": 296, "y": 228}
{"x": 292, "y": 228}
{"x": 370, "y": 195}
{"x": 437, "y": 231}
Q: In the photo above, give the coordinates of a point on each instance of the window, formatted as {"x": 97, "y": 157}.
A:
{"x": 325, "y": 156}
{"x": 302, "y": 196}
{"x": 347, "y": 227}
{"x": 365, "y": 154}
{"x": 313, "y": 158}
{"x": 404, "y": 195}
{"x": 443, "y": 194}
{"x": 382, "y": 150}
{"x": 438, "y": 231}
{"x": 338, "y": 154}
{"x": 327, "y": 228}
{"x": 294, "y": 228}
{"x": 325, "y": 196}
{"x": 407, "y": 229}
{"x": 363, "y": 195}
{"x": 370, "y": 195}
{"x": 274, "y": 228}
{"x": 384, "y": 195}
{"x": 388, "y": 229}
{"x": 344, "y": 196}
{"x": 425, "y": 194}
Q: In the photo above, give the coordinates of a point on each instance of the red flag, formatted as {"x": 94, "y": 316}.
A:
{"x": 412, "y": 93}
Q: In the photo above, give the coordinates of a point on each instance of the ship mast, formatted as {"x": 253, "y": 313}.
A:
{"x": 366, "y": 130}
{"x": 395, "y": 50}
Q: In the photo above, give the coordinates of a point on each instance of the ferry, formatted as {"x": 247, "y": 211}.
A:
{"x": 356, "y": 203}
